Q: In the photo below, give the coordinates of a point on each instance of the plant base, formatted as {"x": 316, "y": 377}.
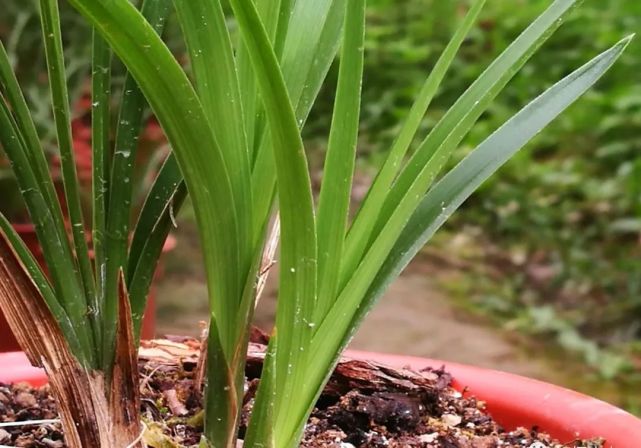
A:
{"x": 367, "y": 404}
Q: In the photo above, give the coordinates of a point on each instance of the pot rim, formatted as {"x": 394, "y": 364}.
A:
{"x": 564, "y": 413}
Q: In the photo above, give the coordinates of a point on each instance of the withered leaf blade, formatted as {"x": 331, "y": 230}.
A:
{"x": 27, "y": 314}
{"x": 40, "y": 337}
{"x": 124, "y": 396}
{"x": 90, "y": 417}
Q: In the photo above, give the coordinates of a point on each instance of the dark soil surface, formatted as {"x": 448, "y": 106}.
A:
{"x": 364, "y": 405}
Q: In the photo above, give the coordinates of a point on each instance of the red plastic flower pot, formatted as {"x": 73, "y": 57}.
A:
{"x": 27, "y": 232}
{"x": 17, "y": 369}
{"x": 518, "y": 401}
{"x": 513, "y": 400}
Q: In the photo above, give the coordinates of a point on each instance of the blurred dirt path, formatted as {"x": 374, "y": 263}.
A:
{"x": 415, "y": 318}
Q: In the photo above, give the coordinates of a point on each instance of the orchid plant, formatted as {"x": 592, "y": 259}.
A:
{"x": 234, "y": 119}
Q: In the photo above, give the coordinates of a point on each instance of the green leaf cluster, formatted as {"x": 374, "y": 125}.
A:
{"x": 234, "y": 123}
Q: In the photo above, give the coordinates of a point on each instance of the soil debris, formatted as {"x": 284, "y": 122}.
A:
{"x": 364, "y": 405}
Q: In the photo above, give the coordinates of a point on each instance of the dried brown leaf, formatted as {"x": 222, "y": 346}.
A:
{"x": 90, "y": 419}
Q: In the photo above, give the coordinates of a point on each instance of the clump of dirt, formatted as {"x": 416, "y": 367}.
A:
{"x": 368, "y": 405}
{"x": 364, "y": 405}
{"x": 19, "y": 403}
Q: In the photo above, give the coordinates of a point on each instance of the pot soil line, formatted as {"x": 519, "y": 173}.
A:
{"x": 365, "y": 404}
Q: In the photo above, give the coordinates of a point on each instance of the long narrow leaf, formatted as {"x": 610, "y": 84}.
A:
{"x": 208, "y": 40}
{"x": 205, "y": 30}
{"x": 50, "y": 18}
{"x": 27, "y": 128}
{"x": 307, "y": 43}
{"x": 56, "y": 234}
{"x": 182, "y": 116}
{"x": 297, "y": 292}
{"x": 308, "y": 52}
{"x": 459, "y": 184}
{"x": 129, "y": 126}
{"x": 270, "y": 13}
{"x": 160, "y": 194}
{"x": 100, "y": 124}
{"x": 336, "y": 188}
{"x": 261, "y": 432}
{"x": 223, "y": 383}
{"x": 361, "y": 230}
{"x": 448, "y": 194}
{"x": 226, "y": 379}
{"x": 56, "y": 251}
{"x": 436, "y": 149}
{"x": 154, "y": 224}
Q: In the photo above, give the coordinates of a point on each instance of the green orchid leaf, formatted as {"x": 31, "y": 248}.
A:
{"x": 50, "y": 19}
{"x": 336, "y": 190}
{"x": 297, "y": 292}
{"x": 133, "y": 108}
{"x": 156, "y": 220}
{"x": 365, "y": 221}
{"x": 57, "y": 252}
{"x": 208, "y": 40}
{"x": 309, "y": 48}
{"x": 181, "y": 113}
{"x": 101, "y": 149}
{"x": 425, "y": 164}
{"x": 452, "y": 190}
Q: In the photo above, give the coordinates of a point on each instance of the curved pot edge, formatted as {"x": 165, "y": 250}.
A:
{"x": 563, "y": 413}
{"x": 16, "y": 368}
